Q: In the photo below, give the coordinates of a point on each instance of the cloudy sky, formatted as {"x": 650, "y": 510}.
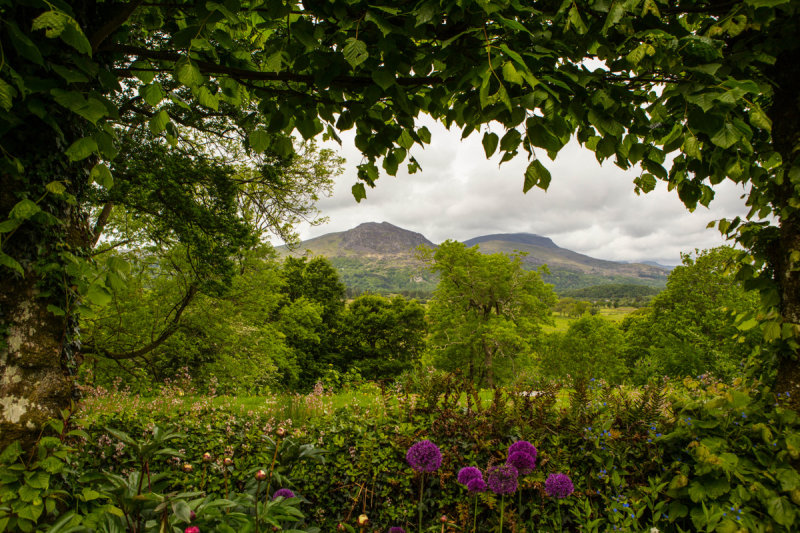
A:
{"x": 588, "y": 208}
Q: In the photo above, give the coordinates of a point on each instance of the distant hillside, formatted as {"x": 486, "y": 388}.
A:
{"x": 379, "y": 257}
{"x": 613, "y": 291}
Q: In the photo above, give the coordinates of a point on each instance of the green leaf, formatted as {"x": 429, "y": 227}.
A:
{"x": 23, "y": 44}
{"x": 575, "y": 21}
{"x": 8, "y": 261}
{"x": 98, "y": 295}
{"x": 7, "y": 94}
{"x": 781, "y": 510}
{"x": 74, "y": 36}
{"x": 359, "y": 192}
{"x": 536, "y": 175}
{"x": 355, "y": 52}
{"x": 383, "y": 77}
{"x": 259, "y": 140}
{"x": 143, "y": 70}
{"x": 510, "y": 74}
{"x": 188, "y": 73}
{"x": 759, "y": 119}
{"x": 182, "y": 510}
{"x": 38, "y": 479}
{"x": 727, "y": 136}
{"x": 24, "y": 209}
{"x": 101, "y": 175}
{"x": 55, "y": 187}
{"x": 206, "y": 98}
{"x": 490, "y": 141}
{"x": 158, "y": 122}
{"x": 152, "y": 93}
{"x": 52, "y": 22}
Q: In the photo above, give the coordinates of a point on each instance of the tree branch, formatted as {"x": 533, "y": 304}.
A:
{"x": 212, "y": 68}
{"x": 166, "y": 334}
{"x": 102, "y": 220}
{"x": 124, "y": 13}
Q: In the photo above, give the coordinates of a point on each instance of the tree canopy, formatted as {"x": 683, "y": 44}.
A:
{"x": 692, "y": 92}
{"x": 486, "y": 313}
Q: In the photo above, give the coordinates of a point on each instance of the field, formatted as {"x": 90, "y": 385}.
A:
{"x": 613, "y": 314}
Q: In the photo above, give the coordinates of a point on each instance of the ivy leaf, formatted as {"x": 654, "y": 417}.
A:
{"x": 355, "y": 52}
{"x": 81, "y": 149}
{"x": 490, "y": 141}
{"x": 536, "y": 175}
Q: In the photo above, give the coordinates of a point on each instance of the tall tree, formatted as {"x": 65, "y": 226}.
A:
{"x": 382, "y": 337}
{"x": 710, "y": 82}
{"x": 486, "y": 313}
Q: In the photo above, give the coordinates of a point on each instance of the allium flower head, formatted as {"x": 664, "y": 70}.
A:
{"x": 502, "y": 479}
{"x": 523, "y": 446}
{"x": 424, "y": 456}
{"x": 476, "y": 485}
{"x": 286, "y": 493}
{"x": 467, "y": 473}
{"x": 524, "y": 462}
{"x": 396, "y": 530}
{"x": 558, "y": 486}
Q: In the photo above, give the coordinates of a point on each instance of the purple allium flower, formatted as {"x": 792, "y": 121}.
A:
{"x": 286, "y": 493}
{"x": 424, "y": 456}
{"x": 502, "y": 479}
{"x": 522, "y": 461}
{"x": 523, "y": 446}
{"x": 476, "y": 484}
{"x": 396, "y": 530}
{"x": 467, "y": 473}
{"x": 558, "y": 486}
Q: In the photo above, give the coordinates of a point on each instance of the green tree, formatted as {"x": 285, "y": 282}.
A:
{"x": 487, "y": 312}
{"x": 689, "y": 328}
{"x": 592, "y": 347}
{"x": 710, "y": 82}
{"x": 315, "y": 283}
{"x": 382, "y": 337}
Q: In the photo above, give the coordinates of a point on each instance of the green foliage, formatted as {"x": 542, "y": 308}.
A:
{"x": 679, "y": 456}
{"x": 592, "y": 347}
{"x": 486, "y": 312}
{"x": 689, "y": 328}
{"x": 382, "y": 337}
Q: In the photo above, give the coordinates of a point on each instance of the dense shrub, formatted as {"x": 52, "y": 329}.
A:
{"x": 683, "y": 456}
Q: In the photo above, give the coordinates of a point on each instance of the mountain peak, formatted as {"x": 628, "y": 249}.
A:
{"x": 530, "y": 239}
{"x": 382, "y": 238}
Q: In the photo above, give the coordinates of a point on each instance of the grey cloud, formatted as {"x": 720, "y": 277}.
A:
{"x": 589, "y": 208}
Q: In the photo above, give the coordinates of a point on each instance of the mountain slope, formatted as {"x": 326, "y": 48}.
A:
{"x": 380, "y": 257}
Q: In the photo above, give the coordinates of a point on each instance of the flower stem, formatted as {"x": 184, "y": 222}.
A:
{"x": 419, "y": 507}
{"x": 558, "y": 507}
{"x": 502, "y": 505}
{"x": 475, "y": 514}
{"x": 258, "y": 489}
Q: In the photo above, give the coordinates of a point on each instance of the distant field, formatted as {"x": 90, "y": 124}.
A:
{"x": 614, "y": 315}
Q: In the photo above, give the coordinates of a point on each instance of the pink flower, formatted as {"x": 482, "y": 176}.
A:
{"x": 192, "y": 529}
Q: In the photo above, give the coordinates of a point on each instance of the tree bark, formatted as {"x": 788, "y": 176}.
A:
{"x": 785, "y": 115}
